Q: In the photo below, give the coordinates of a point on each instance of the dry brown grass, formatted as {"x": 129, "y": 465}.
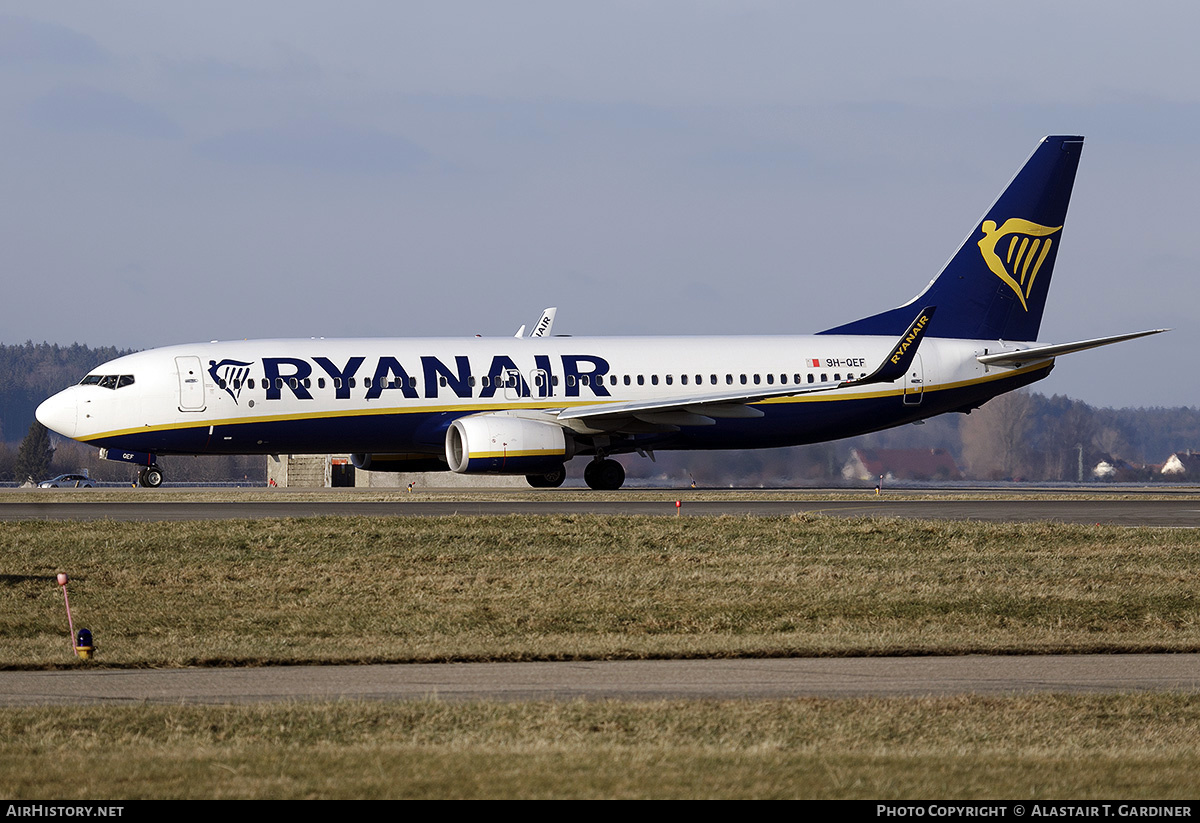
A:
{"x": 1078, "y": 747}
{"x": 347, "y": 589}
{"x": 519, "y": 587}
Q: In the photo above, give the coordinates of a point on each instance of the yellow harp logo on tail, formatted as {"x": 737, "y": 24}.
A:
{"x": 1027, "y": 247}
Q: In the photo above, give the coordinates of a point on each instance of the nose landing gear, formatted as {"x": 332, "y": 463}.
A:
{"x": 151, "y": 477}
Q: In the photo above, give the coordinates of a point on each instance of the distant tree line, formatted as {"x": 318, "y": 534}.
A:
{"x": 1017, "y": 436}
{"x": 31, "y": 372}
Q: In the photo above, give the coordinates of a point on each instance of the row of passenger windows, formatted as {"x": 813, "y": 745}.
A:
{"x": 714, "y": 380}
{"x": 108, "y": 381}
{"x": 539, "y": 380}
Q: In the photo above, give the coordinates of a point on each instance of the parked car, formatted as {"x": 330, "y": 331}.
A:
{"x": 68, "y": 481}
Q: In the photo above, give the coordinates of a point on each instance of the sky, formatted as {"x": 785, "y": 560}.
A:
{"x": 176, "y": 172}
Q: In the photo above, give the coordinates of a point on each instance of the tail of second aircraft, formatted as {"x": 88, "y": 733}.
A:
{"x": 995, "y": 285}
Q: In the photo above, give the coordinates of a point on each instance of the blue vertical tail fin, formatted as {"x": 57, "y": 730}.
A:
{"x": 995, "y": 285}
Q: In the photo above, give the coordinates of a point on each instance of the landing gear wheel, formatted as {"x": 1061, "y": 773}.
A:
{"x": 151, "y": 477}
{"x": 549, "y": 480}
{"x": 604, "y": 475}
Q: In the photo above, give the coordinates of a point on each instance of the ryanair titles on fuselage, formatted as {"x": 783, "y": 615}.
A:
{"x": 356, "y": 376}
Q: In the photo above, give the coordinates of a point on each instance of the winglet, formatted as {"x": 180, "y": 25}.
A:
{"x": 545, "y": 323}
{"x": 896, "y": 364}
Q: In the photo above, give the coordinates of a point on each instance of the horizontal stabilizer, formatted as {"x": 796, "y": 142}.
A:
{"x": 1020, "y": 357}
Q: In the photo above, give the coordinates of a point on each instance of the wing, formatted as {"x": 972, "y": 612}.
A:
{"x": 704, "y": 410}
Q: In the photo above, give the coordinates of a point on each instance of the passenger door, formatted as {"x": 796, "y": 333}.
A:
{"x": 191, "y": 384}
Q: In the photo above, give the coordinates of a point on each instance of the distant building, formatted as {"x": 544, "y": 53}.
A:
{"x": 1122, "y": 471}
{"x": 317, "y": 471}
{"x": 901, "y": 464}
{"x": 1182, "y": 464}
{"x": 309, "y": 471}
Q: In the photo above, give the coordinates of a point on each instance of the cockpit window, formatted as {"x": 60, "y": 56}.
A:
{"x": 108, "y": 381}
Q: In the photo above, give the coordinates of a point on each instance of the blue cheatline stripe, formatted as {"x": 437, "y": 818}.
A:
{"x": 786, "y": 421}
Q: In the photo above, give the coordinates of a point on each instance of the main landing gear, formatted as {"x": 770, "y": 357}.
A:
{"x": 151, "y": 477}
{"x": 603, "y": 474}
{"x": 549, "y": 480}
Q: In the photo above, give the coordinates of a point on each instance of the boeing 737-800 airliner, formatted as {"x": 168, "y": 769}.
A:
{"x": 527, "y": 405}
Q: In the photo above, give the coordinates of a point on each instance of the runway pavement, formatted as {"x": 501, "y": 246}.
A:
{"x": 1120, "y": 510}
{"x": 621, "y": 680}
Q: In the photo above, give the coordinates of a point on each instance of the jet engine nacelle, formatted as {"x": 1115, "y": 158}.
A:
{"x": 406, "y": 462}
{"x": 500, "y": 444}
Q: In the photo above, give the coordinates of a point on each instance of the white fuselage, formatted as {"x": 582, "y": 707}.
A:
{"x": 399, "y": 395}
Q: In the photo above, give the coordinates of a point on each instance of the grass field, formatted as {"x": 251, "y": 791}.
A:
{"x": 1135, "y": 746}
{"x": 554, "y": 587}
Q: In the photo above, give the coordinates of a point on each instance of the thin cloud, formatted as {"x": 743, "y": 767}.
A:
{"x": 318, "y": 146}
{"x": 80, "y": 109}
{"x": 35, "y": 43}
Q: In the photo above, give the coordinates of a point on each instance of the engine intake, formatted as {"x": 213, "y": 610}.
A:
{"x": 499, "y": 444}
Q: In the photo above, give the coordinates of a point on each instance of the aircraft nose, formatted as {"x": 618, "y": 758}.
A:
{"x": 60, "y": 413}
